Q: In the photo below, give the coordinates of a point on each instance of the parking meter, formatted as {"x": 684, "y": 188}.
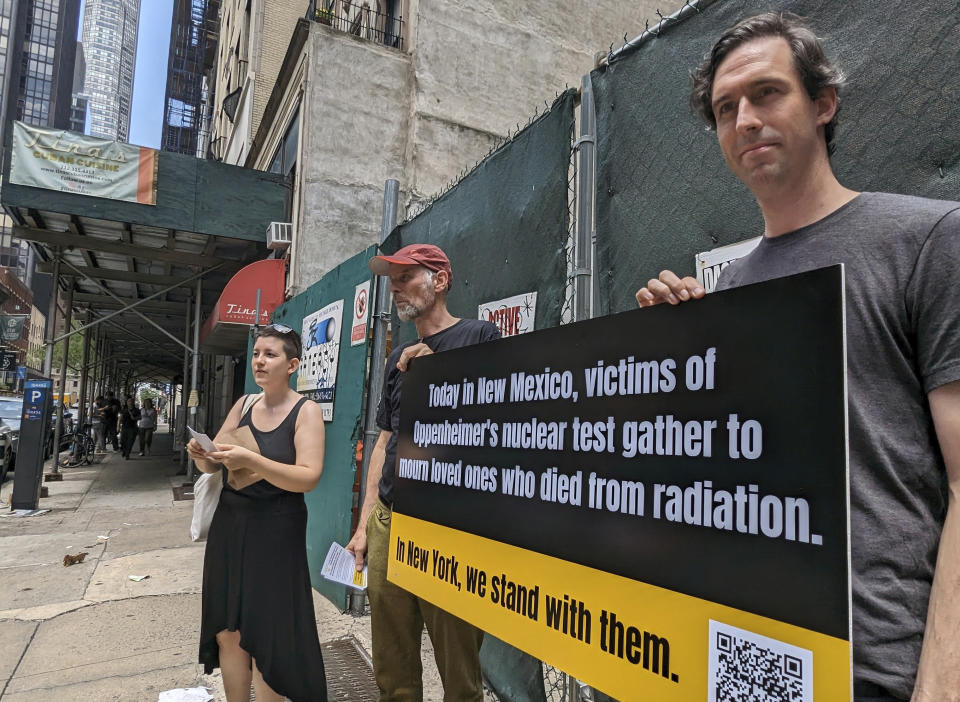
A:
{"x": 34, "y": 427}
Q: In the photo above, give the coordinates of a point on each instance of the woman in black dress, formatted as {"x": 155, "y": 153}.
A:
{"x": 258, "y": 623}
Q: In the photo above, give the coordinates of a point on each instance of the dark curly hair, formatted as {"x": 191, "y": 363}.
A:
{"x": 815, "y": 70}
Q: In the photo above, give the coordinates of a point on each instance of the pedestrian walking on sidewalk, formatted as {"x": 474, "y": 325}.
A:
{"x": 146, "y": 426}
{"x": 258, "y": 624}
{"x": 129, "y": 419}
{"x": 97, "y": 422}
{"x": 111, "y": 415}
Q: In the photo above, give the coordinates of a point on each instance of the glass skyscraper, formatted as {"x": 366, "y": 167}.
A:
{"x": 37, "y": 53}
{"x": 110, "y": 49}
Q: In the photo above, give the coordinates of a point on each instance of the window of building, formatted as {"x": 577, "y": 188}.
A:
{"x": 285, "y": 158}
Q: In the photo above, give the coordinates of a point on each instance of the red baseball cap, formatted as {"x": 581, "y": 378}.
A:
{"x": 426, "y": 255}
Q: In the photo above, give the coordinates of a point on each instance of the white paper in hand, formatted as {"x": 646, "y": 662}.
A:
{"x": 205, "y": 443}
{"x": 339, "y": 567}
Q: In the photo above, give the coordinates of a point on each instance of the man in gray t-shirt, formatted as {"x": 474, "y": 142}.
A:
{"x": 771, "y": 95}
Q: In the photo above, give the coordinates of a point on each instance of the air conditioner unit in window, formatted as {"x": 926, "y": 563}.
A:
{"x": 279, "y": 235}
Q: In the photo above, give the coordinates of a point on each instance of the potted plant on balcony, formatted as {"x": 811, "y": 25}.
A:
{"x": 323, "y": 15}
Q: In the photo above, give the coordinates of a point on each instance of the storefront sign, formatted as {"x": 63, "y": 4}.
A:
{"x": 8, "y": 360}
{"x": 74, "y": 163}
{"x": 654, "y": 502}
{"x": 11, "y": 326}
{"x": 317, "y": 378}
{"x": 513, "y": 315}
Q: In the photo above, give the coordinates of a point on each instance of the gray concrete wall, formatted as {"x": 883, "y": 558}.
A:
{"x": 483, "y": 66}
{"x": 355, "y": 137}
{"x": 470, "y": 72}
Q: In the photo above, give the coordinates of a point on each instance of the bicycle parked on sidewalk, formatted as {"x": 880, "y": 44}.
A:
{"x": 82, "y": 448}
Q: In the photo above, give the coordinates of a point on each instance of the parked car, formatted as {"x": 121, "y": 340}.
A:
{"x": 11, "y": 413}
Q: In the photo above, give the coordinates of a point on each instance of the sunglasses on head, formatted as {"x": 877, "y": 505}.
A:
{"x": 280, "y": 328}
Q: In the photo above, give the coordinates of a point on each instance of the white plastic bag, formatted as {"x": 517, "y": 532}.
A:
{"x": 191, "y": 694}
{"x": 206, "y": 495}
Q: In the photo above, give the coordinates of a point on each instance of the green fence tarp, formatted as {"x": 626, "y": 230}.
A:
{"x": 664, "y": 193}
{"x": 505, "y": 225}
{"x": 330, "y": 504}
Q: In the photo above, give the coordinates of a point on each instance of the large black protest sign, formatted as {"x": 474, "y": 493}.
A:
{"x": 645, "y": 498}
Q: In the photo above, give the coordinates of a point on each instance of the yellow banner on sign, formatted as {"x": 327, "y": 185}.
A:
{"x": 628, "y": 639}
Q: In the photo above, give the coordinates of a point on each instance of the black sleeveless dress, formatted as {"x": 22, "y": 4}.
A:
{"x": 256, "y": 579}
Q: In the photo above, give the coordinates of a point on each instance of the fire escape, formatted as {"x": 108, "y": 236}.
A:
{"x": 190, "y": 77}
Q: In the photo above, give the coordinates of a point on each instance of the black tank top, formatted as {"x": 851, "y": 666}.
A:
{"x": 277, "y": 445}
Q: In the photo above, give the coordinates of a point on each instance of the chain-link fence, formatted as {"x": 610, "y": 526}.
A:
{"x": 557, "y": 687}
{"x": 567, "y": 314}
{"x": 663, "y": 191}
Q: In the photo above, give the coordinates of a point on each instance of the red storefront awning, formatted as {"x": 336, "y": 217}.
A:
{"x": 226, "y": 329}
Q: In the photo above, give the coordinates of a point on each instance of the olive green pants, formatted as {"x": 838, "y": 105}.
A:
{"x": 396, "y": 622}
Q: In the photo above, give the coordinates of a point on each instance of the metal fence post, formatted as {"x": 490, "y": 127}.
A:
{"x": 586, "y": 186}
{"x": 378, "y": 347}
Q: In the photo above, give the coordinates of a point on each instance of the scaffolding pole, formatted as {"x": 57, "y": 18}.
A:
{"x": 54, "y": 474}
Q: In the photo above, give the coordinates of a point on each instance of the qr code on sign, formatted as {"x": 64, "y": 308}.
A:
{"x": 748, "y": 667}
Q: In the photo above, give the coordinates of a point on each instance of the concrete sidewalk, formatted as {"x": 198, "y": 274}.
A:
{"x": 87, "y": 632}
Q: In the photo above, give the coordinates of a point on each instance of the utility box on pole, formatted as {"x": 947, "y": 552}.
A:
{"x": 34, "y": 426}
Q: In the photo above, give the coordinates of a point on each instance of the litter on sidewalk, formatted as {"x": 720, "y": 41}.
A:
{"x": 186, "y": 694}
{"x": 25, "y": 513}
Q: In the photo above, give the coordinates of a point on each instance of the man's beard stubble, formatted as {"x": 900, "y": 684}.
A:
{"x": 407, "y": 310}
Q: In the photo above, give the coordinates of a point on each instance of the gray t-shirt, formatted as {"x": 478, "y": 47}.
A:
{"x": 902, "y": 263}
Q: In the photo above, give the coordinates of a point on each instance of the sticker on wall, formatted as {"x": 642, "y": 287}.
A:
{"x": 711, "y": 263}
{"x": 513, "y": 315}
{"x": 361, "y": 311}
{"x": 321, "y": 353}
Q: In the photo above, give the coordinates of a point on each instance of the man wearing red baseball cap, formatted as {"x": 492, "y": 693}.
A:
{"x": 420, "y": 276}
{"x": 427, "y": 255}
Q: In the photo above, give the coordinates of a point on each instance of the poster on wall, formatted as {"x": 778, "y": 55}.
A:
{"x": 513, "y": 315}
{"x": 361, "y": 311}
{"x": 317, "y": 378}
{"x": 60, "y": 160}
{"x": 654, "y": 502}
